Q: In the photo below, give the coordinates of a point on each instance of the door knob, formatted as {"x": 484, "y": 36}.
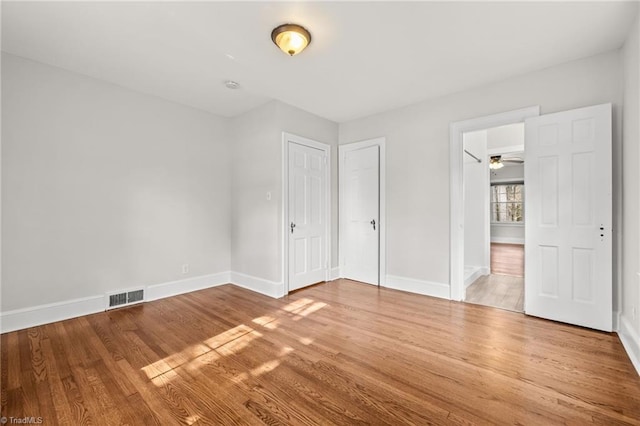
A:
{"x": 293, "y": 225}
{"x": 373, "y": 222}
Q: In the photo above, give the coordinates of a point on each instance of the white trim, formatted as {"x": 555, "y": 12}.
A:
{"x": 335, "y": 274}
{"x": 616, "y": 321}
{"x": 456, "y": 222}
{"x": 631, "y": 342}
{"x": 427, "y": 288}
{"x": 477, "y": 273}
{"x": 259, "y": 285}
{"x": 286, "y": 139}
{"x": 32, "y": 316}
{"x": 381, "y": 143}
{"x": 507, "y": 240}
{"x": 174, "y": 288}
{"x": 509, "y": 224}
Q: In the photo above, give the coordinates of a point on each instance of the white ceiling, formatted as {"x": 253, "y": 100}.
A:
{"x": 365, "y": 57}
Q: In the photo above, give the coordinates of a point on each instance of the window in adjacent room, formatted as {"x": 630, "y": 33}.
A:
{"x": 507, "y": 203}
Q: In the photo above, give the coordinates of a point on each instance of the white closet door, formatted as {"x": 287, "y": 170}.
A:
{"x": 360, "y": 200}
{"x": 307, "y": 216}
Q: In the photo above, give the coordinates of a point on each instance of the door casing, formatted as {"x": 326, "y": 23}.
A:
{"x": 456, "y": 212}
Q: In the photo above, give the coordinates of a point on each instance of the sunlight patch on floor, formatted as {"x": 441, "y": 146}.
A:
{"x": 238, "y": 344}
{"x": 285, "y": 351}
{"x": 267, "y": 322}
{"x": 175, "y": 360}
{"x": 228, "y": 336}
{"x": 192, "y": 419}
{"x": 265, "y": 367}
{"x": 231, "y": 342}
{"x": 309, "y": 310}
{"x": 297, "y": 305}
{"x": 305, "y": 340}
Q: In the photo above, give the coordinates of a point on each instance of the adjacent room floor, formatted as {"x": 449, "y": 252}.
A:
{"x": 336, "y": 353}
{"x": 504, "y": 287}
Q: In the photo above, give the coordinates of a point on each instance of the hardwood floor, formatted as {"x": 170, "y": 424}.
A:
{"x": 507, "y": 259}
{"x": 499, "y": 291}
{"x": 336, "y": 353}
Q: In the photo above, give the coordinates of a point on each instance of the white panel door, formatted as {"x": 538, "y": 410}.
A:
{"x": 568, "y": 219}
{"x": 307, "y": 216}
{"x": 360, "y": 201}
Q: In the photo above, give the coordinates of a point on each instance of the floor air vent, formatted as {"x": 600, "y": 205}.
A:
{"x": 125, "y": 298}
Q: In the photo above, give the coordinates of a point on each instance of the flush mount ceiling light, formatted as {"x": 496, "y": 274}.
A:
{"x": 291, "y": 38}
{"x": 496, "y": 162}
{"x": 230, "y": 84}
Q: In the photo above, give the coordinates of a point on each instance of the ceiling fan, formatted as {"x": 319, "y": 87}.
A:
{"x": 498, "y": 161}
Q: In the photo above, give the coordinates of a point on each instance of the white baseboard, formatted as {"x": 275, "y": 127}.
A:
{"x": 507, "y": 240}
{"x": 334, "y": 274}
{"x": 411, "y": 285}
{"x": 631, "y": 341}
{"x": 44, "y": 314}
{"x": 173, "y": 288}
{"x": 259, "y": 285}
{"x": 477, "y": 273}
{"x": 32, "y": 316}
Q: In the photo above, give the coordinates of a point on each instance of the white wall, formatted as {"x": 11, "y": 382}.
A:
{"x": 104, "y": 188}
{"x": 255, "y": 222}
{"x": 256, "y": 232}
{"x": 505, "y": 136}
{"x": 476, "y": 211}
{"x": 630, "y": 326}
{"x": 418, "y": 146}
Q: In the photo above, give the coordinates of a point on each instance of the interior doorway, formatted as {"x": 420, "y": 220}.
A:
{"x": 568, "y": 252}
{"x": 493, "y": 170}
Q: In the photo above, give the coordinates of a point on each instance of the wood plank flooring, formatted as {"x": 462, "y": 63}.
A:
{"x": 507, "y": 259}
{"x": 336, "y": 353}
{"x": 499, "y": 291}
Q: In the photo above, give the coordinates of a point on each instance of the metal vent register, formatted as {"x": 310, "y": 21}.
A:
{"x": 125, "y": 298}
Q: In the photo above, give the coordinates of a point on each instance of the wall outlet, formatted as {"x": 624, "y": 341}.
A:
{"x": 185, "y": 268}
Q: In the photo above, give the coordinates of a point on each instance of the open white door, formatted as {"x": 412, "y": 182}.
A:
{"x": 568, "y": 217}
{"x": 360, "y": 213}
{"x": 307, "y": 228}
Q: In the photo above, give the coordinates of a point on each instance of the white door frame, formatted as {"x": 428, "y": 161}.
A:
{"x": 286, "y": 138}
{"x": 456, "y": 182}
{"x": 382, "y": 261}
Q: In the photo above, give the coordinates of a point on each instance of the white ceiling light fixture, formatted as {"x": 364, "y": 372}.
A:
{"x": 291, "y": 38}
{"x": 495, "y": 162}
{"x": 233, "y": 85}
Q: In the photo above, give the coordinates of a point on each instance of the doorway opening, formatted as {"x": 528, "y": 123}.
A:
{"x": 568, "y": 255}
{"x": 493, "y": 170}
{"x": 457, "y": 157}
